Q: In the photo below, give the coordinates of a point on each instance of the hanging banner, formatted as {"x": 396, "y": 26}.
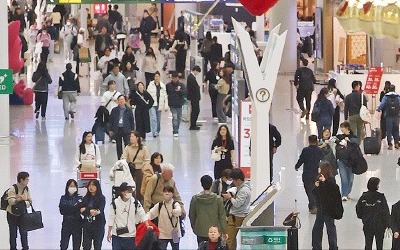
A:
{"x": 373, "y": 80}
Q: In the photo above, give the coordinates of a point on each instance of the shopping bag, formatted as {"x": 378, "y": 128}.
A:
{"x": 387, "y": 241}
{"x": 83, "y": 54}
{"x": 31, "y": 221}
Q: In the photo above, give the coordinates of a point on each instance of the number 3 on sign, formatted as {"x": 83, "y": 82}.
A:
{"x": 246, "y": 133}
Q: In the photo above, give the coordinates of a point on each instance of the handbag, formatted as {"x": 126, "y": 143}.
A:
{"x": 59, "y": 94}
{"x": 31, "y": 221}
{"x": 292, "y": 220}
{"x": 365, "y": 115}
{"x": 339, "y": 102}
{"x": 388, "y": 239}
{"x": 216, "y": 156}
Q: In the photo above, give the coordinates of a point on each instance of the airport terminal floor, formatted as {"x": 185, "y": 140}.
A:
{"x": 46, "y": 149}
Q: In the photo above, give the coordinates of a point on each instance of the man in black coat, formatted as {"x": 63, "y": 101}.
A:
{"x": 121, "y": 124}
{"x": 216, "y": 51}
{"x": 275, "y": 141}
{"x": 146, "y": 26}
{"x": 18, "y": 15}
{"x": 193, "y": 95}
{"x": 176, "y": 92}
{"x": 304, "y": 80}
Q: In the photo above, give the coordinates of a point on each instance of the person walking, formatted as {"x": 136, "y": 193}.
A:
{"x": 92, "y": 210}
{"x": 194, "y": 96}
{"x": 352, "y": 105}
{"x": 106, "y": 62}
{"x": 44, "y": 38}
{"x": 390, "y": 105}
{"x": 72, "y": 221}
{"x": 158, "y": 92}
{"x": 326, "y": 147}
{"x": 337, "y": 97}
{"x": 329, "y": 207}
{"x": 53, "y": 32}
{"x": 310, "y": 157}
{"x": 110, "y": 97}
{"x": 121, "y": 124}
{"x": 149, "y": 169}
{"x": 149, "y": 65}
{"x": 142, "y": 101}
{"x": 212, "y": 78}
{"x": 147, "y": 25}
{"x": 206, "y": 49}
{"x": 395, "y": 225}
{"x": 167, "y": 213}
{"x": 240, "y": 206}
{"x": 69, "y": 85}
{"x": 67, "y": 33}
{"x": 180, "y": 47}
{"x": 216, "y": 51}
{"x": 32, "y": 34}
{"x": 304, "y": 80}
{"x": 120, "y": 80}
{"x": 137, "y": 155}
{"x": 223, "y": 87}
{"x": 88, "y": 153}
{"x": 125, "y": 213}
{"x": 176, "y": 92}
{"x": 224, "y": 147}
{"x": 326, "y": 111}
{"x": 42, "y": 79}
{"x": 18, "y": 196}
{"x": 102, "y": 42}
{"x": 373, "y": 210}
{"x": 206, "y": 210}
{"x": 343, "y": 155}
{"x": 275, "y": 141}
{"x": 382, "y": 94}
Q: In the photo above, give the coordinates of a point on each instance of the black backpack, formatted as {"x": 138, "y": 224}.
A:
{"x": 393, "y": 107}
{"x": 316, "y": 111}
{"x": 4, "y": 197}
{"x": 74, "y": 42}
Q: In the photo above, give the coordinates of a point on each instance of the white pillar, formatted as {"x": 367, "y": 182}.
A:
{"x": 4, "y": 127}
{"x": 260, "y": 22}
{"x": 285, "y": 13}
{"x": 83, "y": 21}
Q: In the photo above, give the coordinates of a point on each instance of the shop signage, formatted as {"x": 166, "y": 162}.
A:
{"x": 257, "y": 237}
{"x": 245, "y": 137}
{"x": 198, "y": 1}
{"x": 100, "y": 1}
{"x": 6, "y": 81}
{"x": 373, "y": 80}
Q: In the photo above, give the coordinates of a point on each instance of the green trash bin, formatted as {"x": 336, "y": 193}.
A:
{"x": 263, "y": 237}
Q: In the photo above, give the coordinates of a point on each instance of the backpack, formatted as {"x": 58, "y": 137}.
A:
{"x": 74, "y": 42}
{"x": 4, "y": 197}
{"x": 356, "y": 159}
{"x": 181, "y": 222}
{"x": 393, "y": 107}
{"x": 316, "y": 112}
{"x": 115, "y": 206}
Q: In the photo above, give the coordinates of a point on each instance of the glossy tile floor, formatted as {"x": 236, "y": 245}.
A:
{"x": 46, "y": 150}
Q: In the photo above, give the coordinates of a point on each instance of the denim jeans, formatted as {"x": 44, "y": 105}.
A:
{"x": 155, "y": 120}
{"x": 123, "y": 243}
{"x": 164, "y": 244}
{"x": 176, "y": 119}
{"x": 392, "y": 129}
{"x": 346, "y": 178}
{"x": 318, "y": 230}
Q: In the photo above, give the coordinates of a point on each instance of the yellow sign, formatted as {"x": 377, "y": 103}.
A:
{"x": 70, "y": 1}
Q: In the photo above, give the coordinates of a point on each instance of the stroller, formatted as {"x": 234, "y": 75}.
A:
{"x": 120, "y": 173}
{"x": 134, "y": 40}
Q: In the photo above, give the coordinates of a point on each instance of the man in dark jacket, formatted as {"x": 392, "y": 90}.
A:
{"x": 193, "y": 95}
{"x": 206, "y": 210}
{"x": 216, "y": 51}
{"x": 352, "y": 105}
{"x": 275, "y": 141}
{"x": 304, "y": 80}
{"x": 103, "y": 41}
{"x": 395, "y": 225}
{"x": 146, "y": 26}
{"x": 176, "y": 92}
{"x": 373, "y": 210}
{"x": 19, "y": 16}
{"x": 310, "y": 157}
{"x": 121, "y": 124}
{"x": 69, "y": 84}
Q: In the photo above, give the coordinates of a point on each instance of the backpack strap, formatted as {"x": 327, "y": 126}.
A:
{"x": 160, "y": 204}
{"x": 158, "y": 179}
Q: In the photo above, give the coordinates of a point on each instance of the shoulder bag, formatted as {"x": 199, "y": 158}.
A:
{"x": 31, "y": 221}
{"x": 365, "y": 115}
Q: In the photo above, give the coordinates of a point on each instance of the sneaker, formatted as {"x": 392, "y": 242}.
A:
{"x": 176, "y": 135}
{"x": 66, "y": 118}
{"x": 396, "y": 146}
{"x": 390, "y": 147}
{"x": 72, "y": 114}
{"x": 37, "y": 114}
{"x": 113, "y": 141}
{"x": 344, "y": 198}
{"x": 313, "y": 210}
{"x": 194, "y": 128}
{"x": 303, "y": 113}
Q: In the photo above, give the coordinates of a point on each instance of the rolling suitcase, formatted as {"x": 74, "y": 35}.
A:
{"x": 100, "y": 134}
{"x": 84, "y": 70}
{"x": 372, "y": 144}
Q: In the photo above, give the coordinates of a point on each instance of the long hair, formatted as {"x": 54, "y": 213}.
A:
{"x": 150, "y": 52}
{"x": 326, "y": 169}
{"x": 155, "y": 155}
{"x": 82, "y": 148}
{"x": 68, "y": 184}
{"x": 225, "y": 75}
{"x": 208, "y": 35}
{"x": 139, "y": 138}
{"x": 42, "y": 68}
{"x": 322, "y": 93}
{"x": 97, "y": 184}
{"x": 332, "y": 84}
{"x": 228, "y": 134}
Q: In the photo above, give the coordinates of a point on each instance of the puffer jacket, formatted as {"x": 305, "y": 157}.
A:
{"x": 163, "y": 103}
{"x": 373, "y": 210}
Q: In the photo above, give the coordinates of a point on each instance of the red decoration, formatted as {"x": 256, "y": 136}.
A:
{"x": 15, "y": 62}
{"x": 258, "y": 7}
{"x": 373, "y": 80}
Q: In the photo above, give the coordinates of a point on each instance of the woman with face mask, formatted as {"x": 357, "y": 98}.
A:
{"x": 125, "y": 213}
{"x": 167, "y": 212}
{"x": 72, "y": 221}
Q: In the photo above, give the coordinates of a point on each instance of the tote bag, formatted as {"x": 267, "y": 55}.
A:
{"x": 31, "y": 221}
{"x": 365, "y": 115}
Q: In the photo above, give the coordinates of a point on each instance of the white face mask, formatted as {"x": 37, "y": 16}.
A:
{"x": 68, "y": 23}
{"x": 128, "y": 195}
{"x": 168, "y": 196}
{"x": 229, "y": 182}
{"x": 72, "y": 190}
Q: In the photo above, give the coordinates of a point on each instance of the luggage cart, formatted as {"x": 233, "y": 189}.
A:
{"x": 83, "y": 178}
{"x": 120, "y": 173}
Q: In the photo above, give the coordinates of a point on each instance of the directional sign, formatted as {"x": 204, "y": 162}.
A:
{"x": 6, "y": 81}
{"x": 100, "y": 1}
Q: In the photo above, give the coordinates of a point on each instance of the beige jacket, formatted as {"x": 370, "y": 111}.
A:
{"x": 142, "y": 158}
{"x": 158, "y": 195}
{"x": 12, "y": 196}
{"x": 147, "y": 173}
{"x": 222, "y": 86}
{"x": 164, "y": 223}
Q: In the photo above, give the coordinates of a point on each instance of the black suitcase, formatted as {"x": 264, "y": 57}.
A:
{"x": 372, "y": 145}
{"x": 100, "y": 134}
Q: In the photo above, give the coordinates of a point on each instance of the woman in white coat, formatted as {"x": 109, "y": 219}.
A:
{"x": 158, "y": 91}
